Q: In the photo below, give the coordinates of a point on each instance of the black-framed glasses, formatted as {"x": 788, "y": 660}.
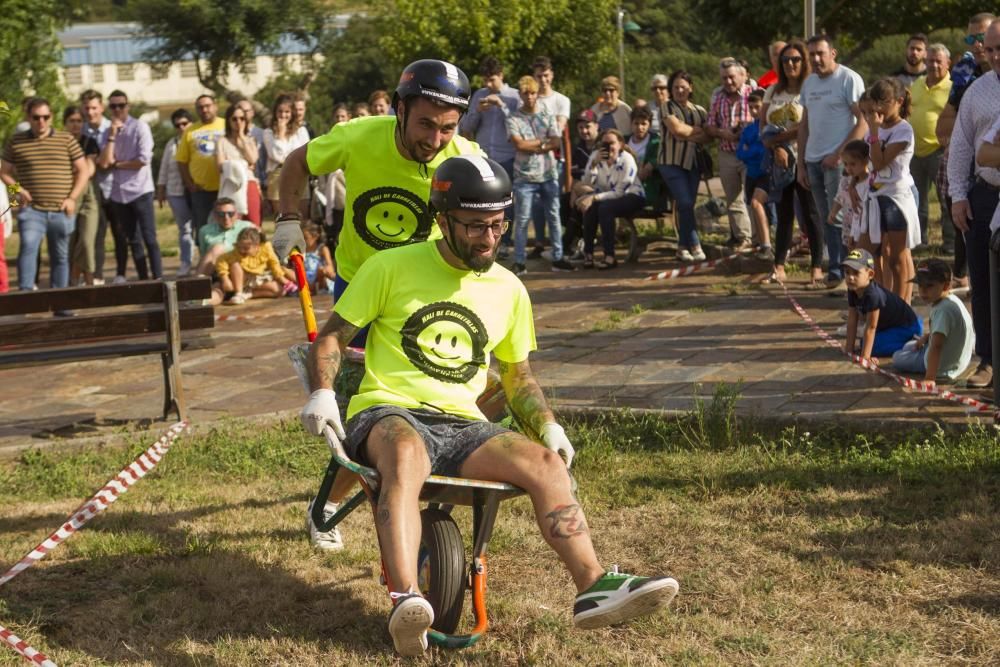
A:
{"x": 978, "y": 37}
{"x": 226, "y": 214}
{"x": 117, "y": 106}
{"x": 476, "y": 229}
{"x": 37, "y": 117}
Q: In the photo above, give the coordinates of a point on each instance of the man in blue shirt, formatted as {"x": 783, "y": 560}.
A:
{"x": 486, "y": 121}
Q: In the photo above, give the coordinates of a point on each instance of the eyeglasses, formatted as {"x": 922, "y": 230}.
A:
{"x": 41, "y": 117}
{"x": 978, "y": 37}
{"x": 795, "y": 60}
{"x": 121, "y": 105}
{"x": 476, "y": 229}
{"x": 226, "y": 214}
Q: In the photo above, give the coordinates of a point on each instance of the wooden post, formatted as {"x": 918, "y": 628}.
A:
{"x": 173, "y": 396}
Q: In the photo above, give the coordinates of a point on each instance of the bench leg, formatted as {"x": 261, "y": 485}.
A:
{"x": 173, "y": 390}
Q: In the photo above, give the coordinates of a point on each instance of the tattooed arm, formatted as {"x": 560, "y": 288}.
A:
{"x": 326, "y": 352}
{"x": 524, "y": 395}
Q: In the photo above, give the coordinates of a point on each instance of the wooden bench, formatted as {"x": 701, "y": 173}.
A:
{"x": 109, "y": 321}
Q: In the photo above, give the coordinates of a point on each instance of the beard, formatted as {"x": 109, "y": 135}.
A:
{"x": 480, "y": 262}
{"x": 913, "y": 62}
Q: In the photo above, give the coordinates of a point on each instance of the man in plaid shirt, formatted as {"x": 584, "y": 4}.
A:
{"x": 728, "y": 115}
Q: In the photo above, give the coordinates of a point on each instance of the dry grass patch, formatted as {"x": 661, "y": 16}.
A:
{"x": 790, "y": 549}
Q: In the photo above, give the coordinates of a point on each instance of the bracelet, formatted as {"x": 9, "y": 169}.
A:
{"x": 287, "y": 216}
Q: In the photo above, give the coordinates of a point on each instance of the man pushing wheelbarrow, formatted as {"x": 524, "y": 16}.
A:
{"x": 437, "y": 311}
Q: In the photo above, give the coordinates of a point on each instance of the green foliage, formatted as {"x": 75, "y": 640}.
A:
{"x": 856, "y": 25}
{"x": 29, "y": 55}
{"x": 220, "y": 35}
{"x": 580, "y": 42}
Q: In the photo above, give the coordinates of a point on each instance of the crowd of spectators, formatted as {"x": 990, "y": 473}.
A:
{"x": 807, "y": 146}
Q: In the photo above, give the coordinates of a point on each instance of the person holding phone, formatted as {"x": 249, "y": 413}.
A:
{"x": 610, "y": 189}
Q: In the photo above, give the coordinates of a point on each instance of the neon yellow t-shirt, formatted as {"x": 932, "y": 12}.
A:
{"x": 433, "y": 330}
{"x": 197, "y": 149}
{"x": 386, "y": 198}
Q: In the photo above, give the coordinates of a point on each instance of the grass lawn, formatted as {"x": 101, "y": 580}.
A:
{"x": 791, "y": 548}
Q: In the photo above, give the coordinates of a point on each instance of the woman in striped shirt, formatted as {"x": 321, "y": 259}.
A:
{"x": 682, "y": 122}
{"x": 611, "y": 189}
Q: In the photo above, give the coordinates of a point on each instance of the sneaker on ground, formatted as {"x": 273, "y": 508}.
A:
{"x": 331, "y": 540}
{"x": 562, "y": 265}
{"x": 618, "y": 597}
{"x": 685, "y": 255}
{"x": 237, "y": 299}
{"x": 536, "y": 252}
{"x": 983, "y": 377}
{"x": 766, "y": 254}
{"x": 98, "y": 281}
{"x": 119, "y": 280}
{"x": 409, "y": 620}
{"x": 519, "y": 269}
{"x": 746, "y": 245}
{"x": 698, "y": 255}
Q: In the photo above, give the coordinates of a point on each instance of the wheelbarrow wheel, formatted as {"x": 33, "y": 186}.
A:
{"x": 441, "y": 568}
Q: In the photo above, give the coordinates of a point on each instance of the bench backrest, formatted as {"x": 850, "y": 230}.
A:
{"x": 124, "y": 305}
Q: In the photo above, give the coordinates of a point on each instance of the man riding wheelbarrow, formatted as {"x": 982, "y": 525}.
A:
{"x": 437, "y": 312}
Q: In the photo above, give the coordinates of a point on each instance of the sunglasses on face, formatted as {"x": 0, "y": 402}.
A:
{"x": 978, "y": 37}
{"x": 115, "y": 107}
{"x": 37, "y": 117}
{"x": 226, "y": 214}
{"x": 795, "y": 60}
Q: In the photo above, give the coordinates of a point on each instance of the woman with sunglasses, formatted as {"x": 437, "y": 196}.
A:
{"x": 780, "y": 117}
{"x": 239, "y": 148}
{"x": 82, "y": 242}
{"x": 611, "y": 111}
{"x": 170, "y": 188}
{"x": 610, "y": 189}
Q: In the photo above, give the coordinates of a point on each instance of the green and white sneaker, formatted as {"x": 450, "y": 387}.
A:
{"x": 616, "y": 598}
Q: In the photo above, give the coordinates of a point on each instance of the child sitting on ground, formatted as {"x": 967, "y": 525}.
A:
{"x": 889, "y": 321}
{"x": 751, "y": 152}
{"x": 250, "y": 269}
{"x": 945, "y": 351}
{"x": 317, "y": 260}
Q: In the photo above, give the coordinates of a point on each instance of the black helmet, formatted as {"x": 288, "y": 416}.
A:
{"x": 470, "y": 182}
{"x": 436, "y": 80}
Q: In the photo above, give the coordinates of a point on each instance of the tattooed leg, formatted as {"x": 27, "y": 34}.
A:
{"x": 514, "y": 459}
{"x": 398, "y": 453}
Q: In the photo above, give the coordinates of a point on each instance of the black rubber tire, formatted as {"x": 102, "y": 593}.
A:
{"x": 441, "y": 565}
{"x": 628, "y": 236}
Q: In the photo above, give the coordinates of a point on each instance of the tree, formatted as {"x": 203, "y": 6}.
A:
{"x": 220, "y": 35}
{"x": 30, "y": 55}
{"x": 580, "y": 41}
{"x": 856, "y": 25}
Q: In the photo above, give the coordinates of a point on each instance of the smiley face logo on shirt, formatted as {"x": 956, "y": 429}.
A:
{"x": 446, "y": 341}
{"x": 387, "y": 217}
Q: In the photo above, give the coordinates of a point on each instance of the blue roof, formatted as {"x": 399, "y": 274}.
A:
{"x": 104, "y": 43}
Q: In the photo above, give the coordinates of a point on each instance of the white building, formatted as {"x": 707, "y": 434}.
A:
{"x": 109, "y": 56}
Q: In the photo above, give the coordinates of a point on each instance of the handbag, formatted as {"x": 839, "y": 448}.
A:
{"x": 703, "y": 161}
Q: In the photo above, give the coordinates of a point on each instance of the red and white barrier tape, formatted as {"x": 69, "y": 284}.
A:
{"x": 688, "y": 270}
{"x": 870, "y": 365}
{"x": 22, "y": 647}
{"x": 99, "y": 502}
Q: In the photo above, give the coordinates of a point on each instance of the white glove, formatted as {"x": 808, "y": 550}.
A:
{"x": 321, "y": 410}
{"x": 555, "y": 439}
{"x": 286, "y": 238}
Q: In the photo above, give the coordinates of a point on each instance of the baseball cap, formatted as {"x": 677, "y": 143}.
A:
{"x": 587, "y": 116}
{"x": 932, "y": 271}
{"x": 859, "y": 260}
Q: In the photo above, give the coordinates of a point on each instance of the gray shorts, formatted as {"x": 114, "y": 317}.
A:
{"x": 449, "y": 439}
